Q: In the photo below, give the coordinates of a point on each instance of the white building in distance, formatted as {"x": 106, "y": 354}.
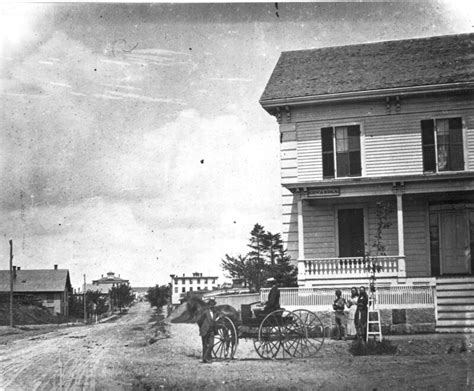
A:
{"x": 180, "y": 285}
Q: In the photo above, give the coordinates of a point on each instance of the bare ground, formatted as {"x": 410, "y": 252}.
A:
{"x": 128, "y": 354}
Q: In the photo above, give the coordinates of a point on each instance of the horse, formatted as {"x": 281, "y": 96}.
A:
{"x": 190, "y": 310}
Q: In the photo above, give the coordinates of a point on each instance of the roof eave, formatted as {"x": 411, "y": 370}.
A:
{"x": 354, "y": 181}
{"x": 369, "y": 94}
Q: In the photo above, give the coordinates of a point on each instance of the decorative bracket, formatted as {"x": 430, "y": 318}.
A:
{"x": 288, "y": 113}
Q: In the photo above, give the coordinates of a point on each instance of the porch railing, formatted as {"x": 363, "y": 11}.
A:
{"x": 348, "y": 267}
{"x": 408, "y": 296}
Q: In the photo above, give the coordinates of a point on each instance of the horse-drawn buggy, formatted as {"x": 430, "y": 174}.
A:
{"x": 277, "y": 334}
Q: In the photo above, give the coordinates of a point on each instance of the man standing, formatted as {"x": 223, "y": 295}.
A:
{"x": 338, "y": 306}
{"x": 206, "y": 323}
{"x": 361, "y": 313}
{"x": 273, "y": 302}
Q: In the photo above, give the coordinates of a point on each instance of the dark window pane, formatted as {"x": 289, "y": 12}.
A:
{"x": 351, "y": 232}
{"x": 455, "y": 123}
{"x": 342, "y": 164}
{"x": 457, "y": 159}
{"x": 455, "y": 136}
{"x": 354, "y": 162}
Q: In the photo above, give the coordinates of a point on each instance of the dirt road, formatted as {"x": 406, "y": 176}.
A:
{"x": 84, "y": 358}
{"x": 116, "y": 356}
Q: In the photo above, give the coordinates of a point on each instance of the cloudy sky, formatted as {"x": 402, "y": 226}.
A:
{"x": 132, "y": 139}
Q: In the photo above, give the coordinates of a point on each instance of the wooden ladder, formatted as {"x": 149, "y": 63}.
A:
{"x": 374, "y": 328}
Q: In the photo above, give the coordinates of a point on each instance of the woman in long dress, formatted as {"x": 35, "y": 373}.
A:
{"x": 352, "y": 305}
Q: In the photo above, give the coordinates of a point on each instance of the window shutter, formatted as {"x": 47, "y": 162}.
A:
{"x": 327, "y": 152}
{"x": 428, "y": 145}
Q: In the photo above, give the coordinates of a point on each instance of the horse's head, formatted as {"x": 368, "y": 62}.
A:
{"x": 187, "y": 312}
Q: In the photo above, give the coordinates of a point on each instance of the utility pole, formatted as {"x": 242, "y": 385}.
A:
{"x": 84, "y": 299}
{"x": 11, "y": 283}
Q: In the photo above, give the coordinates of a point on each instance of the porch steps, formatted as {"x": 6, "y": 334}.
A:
{"x": 455, "y": 305}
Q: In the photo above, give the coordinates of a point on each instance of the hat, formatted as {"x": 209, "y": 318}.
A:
{"x": 271, "y": 279}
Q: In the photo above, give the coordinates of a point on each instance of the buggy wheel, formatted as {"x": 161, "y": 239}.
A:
{"x": 294, "y": 336}
{"x": 268, "y": 344}
{"x": 225, "y": 339}
{"x": 314, "y": 332}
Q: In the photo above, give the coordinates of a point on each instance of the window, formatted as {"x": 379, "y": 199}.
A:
{"x": 205, "y": 281}
{"x": 176, "y": 281}
{"x": 50, "y": 297}
{"x": 183, "y": 289}
{"x": 198, "y": 280}
{"x": 442, "y": 145}
{"x": 176, "y": 290}
{"x": 346, "y": 161}
{"x": 191, "y": 289}
{"x": 351, "y": 232}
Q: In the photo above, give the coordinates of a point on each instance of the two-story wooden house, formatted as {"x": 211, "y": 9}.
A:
{"x": 391, "y": 124}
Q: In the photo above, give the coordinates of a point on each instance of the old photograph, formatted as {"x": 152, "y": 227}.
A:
{"x": 237, "y": 196}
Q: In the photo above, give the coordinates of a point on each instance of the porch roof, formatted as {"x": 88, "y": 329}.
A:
{"x": 397, "y": 181}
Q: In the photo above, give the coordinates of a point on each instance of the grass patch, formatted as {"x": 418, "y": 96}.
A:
{"x": 372, "y": 348}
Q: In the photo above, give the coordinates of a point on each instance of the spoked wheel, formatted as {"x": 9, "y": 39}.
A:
{"x": 314, "y": 332}
{"x": 225, "y": 339}
{"x": 294, "y": 336}
{"x": 267, "y": 345}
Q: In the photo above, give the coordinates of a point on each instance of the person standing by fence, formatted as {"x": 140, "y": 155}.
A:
{"x": 339, "y": 306}
{"x": 361, "y": 313}
{"x": 352, "y": 305}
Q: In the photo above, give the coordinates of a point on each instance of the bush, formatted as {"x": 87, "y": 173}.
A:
{"x": 370, "y": 348}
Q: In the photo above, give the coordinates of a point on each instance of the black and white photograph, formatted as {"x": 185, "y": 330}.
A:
{"x": 237, "y": 195}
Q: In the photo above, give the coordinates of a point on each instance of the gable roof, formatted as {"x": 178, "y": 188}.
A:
{"x": 443, "y": 60}
{"x": 55, "y": 280}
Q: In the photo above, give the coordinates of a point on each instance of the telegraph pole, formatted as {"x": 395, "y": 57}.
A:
{"x": 84, "y": 299}
{"x": 11, "y": 283}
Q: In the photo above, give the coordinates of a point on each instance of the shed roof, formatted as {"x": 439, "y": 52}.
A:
{"x": 45, "y": 280}
{"x": 374, "y": 66}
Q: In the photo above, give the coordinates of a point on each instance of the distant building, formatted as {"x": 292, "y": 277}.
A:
{"x": 195, "y": 283}
{"x": 104, "y": 284}
{"x": 51, "y": 286}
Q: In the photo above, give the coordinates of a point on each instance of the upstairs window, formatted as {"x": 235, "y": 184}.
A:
{"x": 341, "y": 151}
{"x": 442, "y": 145}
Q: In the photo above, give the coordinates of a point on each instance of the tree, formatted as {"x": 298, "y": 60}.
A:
{"x": 382, "y": 212}
{"x": 158, "y": 296}
{"x": 121, "y": 296}
{"x": 266, "y": 258}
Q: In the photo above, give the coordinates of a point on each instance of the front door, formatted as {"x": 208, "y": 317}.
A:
{"x": 454, "y": 243}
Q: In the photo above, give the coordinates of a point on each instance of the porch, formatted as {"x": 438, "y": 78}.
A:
{"x": 350, "y": 268}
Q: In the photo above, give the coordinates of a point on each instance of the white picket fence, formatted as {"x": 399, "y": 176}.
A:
{"x": 409, "y": 296}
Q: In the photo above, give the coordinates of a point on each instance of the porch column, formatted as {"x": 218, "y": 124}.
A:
{"x": 300, "y": 230}
{"x": 401, "y": 240}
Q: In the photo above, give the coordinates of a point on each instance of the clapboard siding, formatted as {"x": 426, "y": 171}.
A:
{"x": 391, "y": 142}
{"x": 319, "y": 230}
{"x": 470, "y": 142}
{"x": 289, "y": 170}
{"x": 416, "y": 237}
{"x": 393, "y": 146}
{"x": 290, "y": 223}
{"x": 308, "y": 151}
